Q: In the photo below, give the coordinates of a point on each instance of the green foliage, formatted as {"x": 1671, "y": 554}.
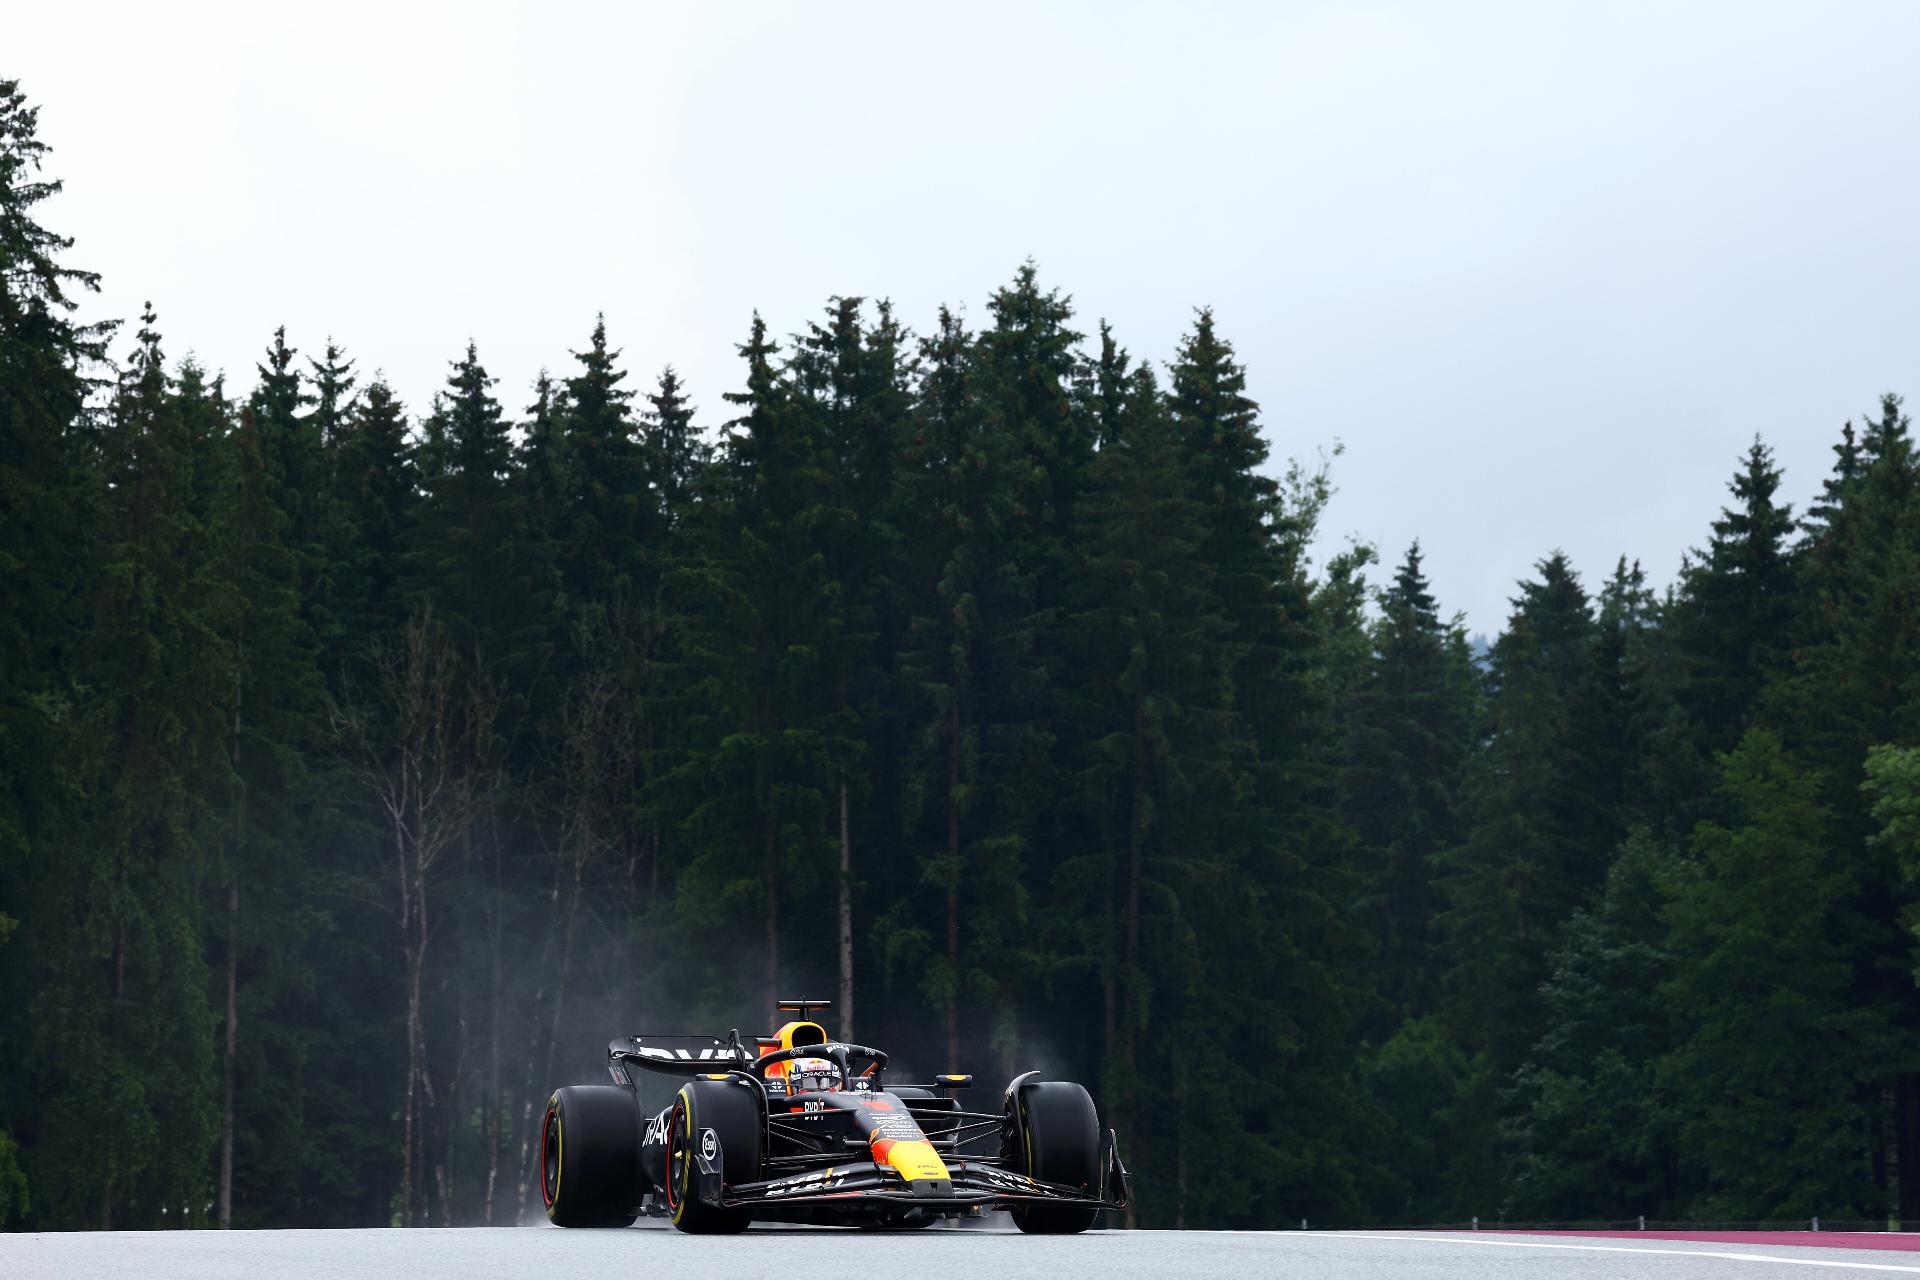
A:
{"x": 360, "y": 775}
{"x": 13, "y": 1184}
{"x": 1733, "y": 619}
{"x": 1437, "y": 1104}
{"x": 1893, "y": 785}
{"x": 770, "y": 734}
{"x": 1411, "y": 719}
{"x": 1592, "y": 1107}
{"x": 122, "y": 1039}
{"x": 1761, "y": 982}
{"x": 1530, "y": 850}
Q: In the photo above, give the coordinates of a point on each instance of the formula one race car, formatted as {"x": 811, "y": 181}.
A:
{"x": 794, "y": 1127}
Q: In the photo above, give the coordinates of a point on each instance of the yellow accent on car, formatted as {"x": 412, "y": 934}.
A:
{"x": 683, "y": 1192}
{"x": 800, "y": 1033}
{"x": 916, "y": 1160}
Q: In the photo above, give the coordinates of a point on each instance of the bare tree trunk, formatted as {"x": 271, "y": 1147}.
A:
{"x": 446, "y": 1163}
{"x": 418, "y": 1068}
{"x": 410, "y": 1103}
{"x": 416, "y": 1123}
{"x": 771, "y": 874}
{"x": 495, "y": 1107}
{"x": 1136, "y": 849}
{"x": 953, "y": 885}
{"x": 846, "y": 920}
{"x": 1109, "y": 984}
{"x": 531, "y": 1093}
{"x": 117, "y": 988}
{"x": 653, "y": 868}
{"x": 225, "y": 1211}
{"x": 228, "y": 1065}
{"x": 1136, "y": 853}
{"x": 566, "y": 959}
{"x": 1179, "y": 1151}
{"x": 1891, "y": 1140}
{"x": 413, "y": 744}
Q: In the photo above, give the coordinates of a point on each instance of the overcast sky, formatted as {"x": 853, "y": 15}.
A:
{"x": 1545, "y": 269}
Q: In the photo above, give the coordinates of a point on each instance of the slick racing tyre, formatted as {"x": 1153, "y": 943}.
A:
{"x": 1055, "y": 1137}
{"x": 730, "y": 1112}
{"x": 590, "y": 1156}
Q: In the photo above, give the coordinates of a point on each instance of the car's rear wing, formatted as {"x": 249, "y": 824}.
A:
{"x": 676, "y": 1055}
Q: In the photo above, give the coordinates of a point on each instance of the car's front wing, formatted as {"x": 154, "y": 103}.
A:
{"x": 972, "y": 1184}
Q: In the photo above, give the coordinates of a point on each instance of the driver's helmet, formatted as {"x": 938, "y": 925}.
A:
{"x": 812, "y": 1075}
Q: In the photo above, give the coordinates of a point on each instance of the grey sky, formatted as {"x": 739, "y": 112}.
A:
{"x": 1545, "y": 269}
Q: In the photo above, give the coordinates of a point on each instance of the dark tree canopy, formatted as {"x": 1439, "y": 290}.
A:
{"x": 362, "y": 770}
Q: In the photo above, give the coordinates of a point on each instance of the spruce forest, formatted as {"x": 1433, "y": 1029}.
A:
{"x": 366, "y": 765}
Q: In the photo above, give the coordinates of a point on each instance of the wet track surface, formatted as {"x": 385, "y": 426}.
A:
{"x": 548, "y": 1253}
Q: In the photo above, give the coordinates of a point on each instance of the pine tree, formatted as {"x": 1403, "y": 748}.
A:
{"x": 377, "y": 492}
{"x": 259, "y": 921}
{"x": 1596, "y": 1122}
{"x": 675, "y": 452}
{"x": 292, "y": 444}
{"x": 1892, "y": 786}
{"x": 609, "y": 518}
{"x": 1100, "y": 388}
{"x": 452, "y": 688}
{"x": 543, "y": 472}
{"x": 1021, "y": 375}
{"x": 1858, "y": 668}
{"x": 468, "y": 541}
{"x": 1412, "y": 731}
{"x": 47, "y": 524}
{"x": 970, "y": 683}
{"x": 1024, "y": 379}
{"x": 333, "y": 398}
{"x": 1297, "y": 852}
{"x": 1164, "y": 757}
{"x": 1853, "y": 685}
{"x": 1252, "y": 547}
{"x": 1532, "y": 848}
{"x": 756, "y": 783}
{"x": 849, "y": 377}
{"x": 1762, "y": 978}
{"x": 1615, "y": 716}
{"x": 124, "y": 1035}
{"x": 1733, "y": 620}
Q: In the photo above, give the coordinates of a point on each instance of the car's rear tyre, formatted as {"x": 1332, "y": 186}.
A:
{"x": 732, "y": 1112}
{"x": 1054, "y": 1136}
{"x": 590, "y": 1156}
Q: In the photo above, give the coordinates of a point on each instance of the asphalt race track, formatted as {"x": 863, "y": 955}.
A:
{"x": 480, "y": 1254}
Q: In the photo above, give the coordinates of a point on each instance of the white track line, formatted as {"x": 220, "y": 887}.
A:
{"x": 1422, "y": 1238}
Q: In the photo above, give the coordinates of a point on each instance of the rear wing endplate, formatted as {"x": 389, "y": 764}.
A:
{"x": 676, "y": 1055}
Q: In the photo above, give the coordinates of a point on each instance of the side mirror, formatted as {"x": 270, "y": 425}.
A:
{"x": 953, "y": 1082}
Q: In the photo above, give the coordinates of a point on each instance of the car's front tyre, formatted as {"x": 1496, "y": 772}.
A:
{"x": 1054, "y": 1136}
{"x": 730, "y": 1112}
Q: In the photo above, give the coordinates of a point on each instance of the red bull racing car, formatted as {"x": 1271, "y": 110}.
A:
{"x": 795, "y": 1127}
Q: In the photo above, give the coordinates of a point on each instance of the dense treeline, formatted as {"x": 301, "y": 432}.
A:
{"x": 364, "y": 766}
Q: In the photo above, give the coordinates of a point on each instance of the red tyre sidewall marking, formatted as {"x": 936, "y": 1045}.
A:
{"x": 673, "y": 1142}
{"x": 546, "y": 1132}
